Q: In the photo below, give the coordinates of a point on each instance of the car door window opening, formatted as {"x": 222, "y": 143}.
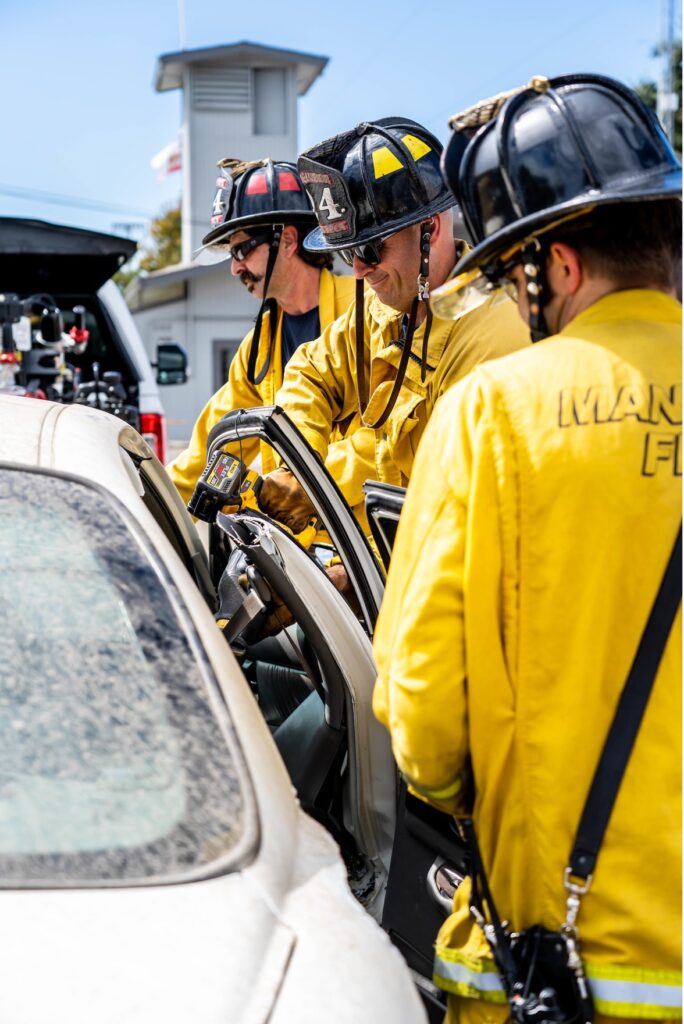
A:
{"x": 295, "y": 678}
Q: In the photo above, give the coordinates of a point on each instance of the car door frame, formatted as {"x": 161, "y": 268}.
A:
{"x": 274, "y": 427}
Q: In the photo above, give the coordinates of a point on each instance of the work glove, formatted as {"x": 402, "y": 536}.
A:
{"x": 283, "y": 499}
{"x": 337, "y": 574}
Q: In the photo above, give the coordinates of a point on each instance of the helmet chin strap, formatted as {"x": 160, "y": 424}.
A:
{"x": 424, "y": 293}
{"x": 535, "y": 286}
{"x": 407, "y": 344}
{"x": 266, "y": 304}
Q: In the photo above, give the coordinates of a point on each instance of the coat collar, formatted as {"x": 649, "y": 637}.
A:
{"x": 631, "y": 304}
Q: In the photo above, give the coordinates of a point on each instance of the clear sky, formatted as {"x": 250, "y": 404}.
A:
{"x": 82, "y": 119}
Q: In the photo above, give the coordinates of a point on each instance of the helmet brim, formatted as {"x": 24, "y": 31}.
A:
{"x": 661, "y": 185}
{"x": 222, "y": 231}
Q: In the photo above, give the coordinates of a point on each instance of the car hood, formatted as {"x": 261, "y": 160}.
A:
{"x": 207, "y": 952}
{"x": 36, "y": 256}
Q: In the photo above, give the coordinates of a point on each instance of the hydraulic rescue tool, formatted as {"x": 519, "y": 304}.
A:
{"x": 225, "y": 483}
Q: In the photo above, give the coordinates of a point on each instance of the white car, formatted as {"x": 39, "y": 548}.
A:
{"x": 155, "y": 862}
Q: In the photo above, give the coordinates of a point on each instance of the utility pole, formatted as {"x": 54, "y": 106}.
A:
{"x": 667, "y": 100}
{"x": 129, "y": 228}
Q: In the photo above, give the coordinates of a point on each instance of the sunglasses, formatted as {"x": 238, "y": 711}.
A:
{"x": 370, "y": 254}
{"x": 241, "y": 251}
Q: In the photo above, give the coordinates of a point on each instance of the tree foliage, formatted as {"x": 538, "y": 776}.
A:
{"x": 161, "y": 248}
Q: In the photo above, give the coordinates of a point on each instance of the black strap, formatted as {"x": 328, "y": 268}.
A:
{"x": 534, "y": 264}
{"x": 497, "y": 937}
{"x": 424, "y": 352}
{"x": 361, "y": 385}
{"x": 423, "y": 296}
{"x": 401, "y": 373}
{"x": 267, "y": 304}
{"x": 627, "y": 719}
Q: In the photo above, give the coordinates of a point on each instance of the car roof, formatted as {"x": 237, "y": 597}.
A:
{"x": 38, "y": 256}
{"x": 72, "y": 439}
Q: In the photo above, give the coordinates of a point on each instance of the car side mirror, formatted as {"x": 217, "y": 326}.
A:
{"x": 172, "y": 364}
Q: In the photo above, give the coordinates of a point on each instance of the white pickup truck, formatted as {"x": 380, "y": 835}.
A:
{"x": 67, "y": 268}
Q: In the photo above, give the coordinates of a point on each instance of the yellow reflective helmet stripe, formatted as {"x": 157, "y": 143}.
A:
{"x": 416, "y": 147}
{"x": 386, "y": 162}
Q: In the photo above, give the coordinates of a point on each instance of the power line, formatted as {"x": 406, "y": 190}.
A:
{"x": 523, "y": 60}
{"x": 57, "y": 199}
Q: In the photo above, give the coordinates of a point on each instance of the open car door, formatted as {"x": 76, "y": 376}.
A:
{"x": 404, "y": 859}
{"x": 428, "y": 858}
{"x": 306, "y": 654}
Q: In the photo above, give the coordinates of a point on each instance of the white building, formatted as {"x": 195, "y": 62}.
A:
{"x": 238, "y": 100}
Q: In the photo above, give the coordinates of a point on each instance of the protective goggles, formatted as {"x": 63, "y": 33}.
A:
{"x": 463, "y": 293}
{"x": 370, "y": 254}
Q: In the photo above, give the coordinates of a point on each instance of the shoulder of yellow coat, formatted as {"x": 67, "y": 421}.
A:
{"x": 378, "y": 312}
{"x": 344, "y": 286}
{"x": 631, "y": 304}
{"x": 335, "y": 294}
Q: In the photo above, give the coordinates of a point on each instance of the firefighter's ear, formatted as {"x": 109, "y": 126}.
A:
{"x": 564, "y": 270}
{"x": 439, "y": 223}
{"x": 289, "y": 242}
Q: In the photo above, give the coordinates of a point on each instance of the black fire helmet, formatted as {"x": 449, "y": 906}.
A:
{"x": 524, "y": 162}
{"x": 366, "y": 184}
{"x": 252, "y": 195}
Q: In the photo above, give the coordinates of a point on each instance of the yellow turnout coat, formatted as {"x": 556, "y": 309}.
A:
{"x": 543, "y": 507}
{"x": 238, "y": 393}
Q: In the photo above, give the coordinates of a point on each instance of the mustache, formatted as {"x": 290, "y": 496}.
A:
{"x": 246, "y": 277}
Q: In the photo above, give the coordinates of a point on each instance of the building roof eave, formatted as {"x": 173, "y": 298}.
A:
{"x": 170, "y": 66}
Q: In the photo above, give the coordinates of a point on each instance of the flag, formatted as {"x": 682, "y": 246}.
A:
{"x": 167, "y": 160}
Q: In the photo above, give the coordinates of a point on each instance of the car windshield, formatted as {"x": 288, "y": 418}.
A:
{"x": 117, "y": 762}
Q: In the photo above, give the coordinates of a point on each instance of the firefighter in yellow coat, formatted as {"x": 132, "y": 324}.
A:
{"x": 261, "y": 214}
{"x": 383, "y": 206}
{"x": 541, "y": 513}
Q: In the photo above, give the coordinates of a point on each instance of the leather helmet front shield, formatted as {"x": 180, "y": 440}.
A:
{"x": 334, "y": 209}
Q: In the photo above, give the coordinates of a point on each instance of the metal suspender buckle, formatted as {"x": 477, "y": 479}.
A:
{"x": 576, "y": 890}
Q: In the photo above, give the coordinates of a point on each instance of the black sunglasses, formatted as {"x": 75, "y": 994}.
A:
{"x": 242, "y": 250}
{"x": 370, "y": 253}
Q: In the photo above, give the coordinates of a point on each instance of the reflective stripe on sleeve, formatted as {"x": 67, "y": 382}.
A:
{"x": 436, "y": 794}
{"x": 631, "y": 992}
{"x": 463, "y": 980}
{"x": 635, "y": 993}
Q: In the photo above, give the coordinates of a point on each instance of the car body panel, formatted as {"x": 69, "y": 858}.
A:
{"x": 278, "y": 938}
{"x": 214, "y": 951}
{"x": 113, "y": 302}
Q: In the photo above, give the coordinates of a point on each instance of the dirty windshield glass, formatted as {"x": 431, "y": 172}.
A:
{"x": 113, "y": 765}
